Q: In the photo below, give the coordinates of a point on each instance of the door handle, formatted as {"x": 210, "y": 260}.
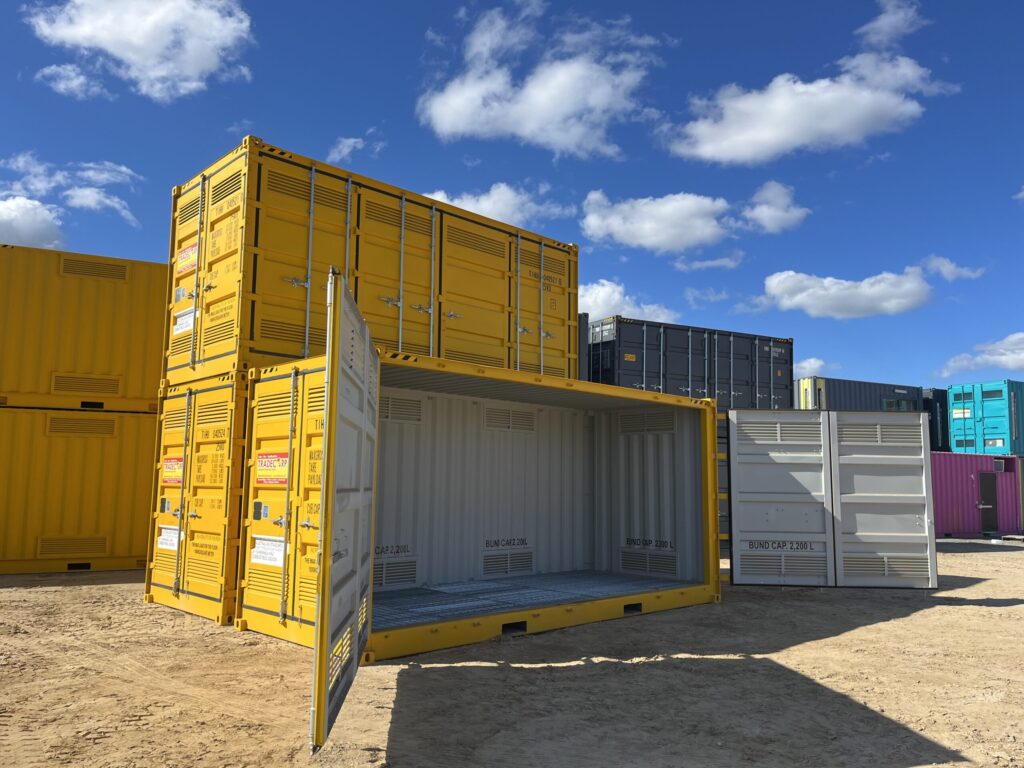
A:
{"x": 279, "y": 520}
{"x": 176, "y": 513}
{"x": 452, "y": 315}
{"x": 306, "y": 524}
{"x": 193, "y": 515}
{"x": 422, "y": 308}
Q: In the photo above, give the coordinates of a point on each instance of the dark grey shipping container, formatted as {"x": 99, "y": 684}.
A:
{"x": 825, "y": 394}
{"x": 584, "y": 346}
{"x": 936, "y": 405}
{"x": 739, "y": 370}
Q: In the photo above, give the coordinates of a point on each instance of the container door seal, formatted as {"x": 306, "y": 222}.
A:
{"x": 346, "y": 546}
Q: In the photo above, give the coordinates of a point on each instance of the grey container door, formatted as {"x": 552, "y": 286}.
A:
{"x": 988, "y": 503}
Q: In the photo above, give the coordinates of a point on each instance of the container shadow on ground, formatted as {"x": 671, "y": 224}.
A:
{"x": 981, "y": 545}
{"x": 658, "y": 712}
{"x": 74, "y": 579}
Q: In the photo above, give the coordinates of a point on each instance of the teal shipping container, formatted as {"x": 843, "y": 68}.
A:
{"x": 986, "y": 418}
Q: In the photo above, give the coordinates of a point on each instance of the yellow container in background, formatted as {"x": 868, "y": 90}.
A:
{"x": 80, "y": 331}
{"x": 74, "y": 489}
{"x": 193, "y": 554}
{"x": 253, "y": 238}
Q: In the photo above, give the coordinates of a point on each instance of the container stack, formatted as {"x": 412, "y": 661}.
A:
{"x": 510, "y": 495}
{"x": 978, "y": 486}
{"x": 736, "y": 370}
{"x": 83, "y": 399}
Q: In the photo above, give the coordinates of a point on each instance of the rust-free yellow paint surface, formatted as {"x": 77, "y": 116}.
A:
{"x": 193, "y": 558}
{"x": 281, "y": 519}
{"x": 80, "y": 329}
{"x": 249, "y": 265}
{"x": 74, "y": 489}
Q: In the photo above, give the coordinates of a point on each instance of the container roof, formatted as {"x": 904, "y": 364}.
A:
{"x": 455, "y": 378}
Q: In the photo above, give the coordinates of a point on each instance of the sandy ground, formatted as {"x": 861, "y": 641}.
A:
{"x": 90, "y": 676}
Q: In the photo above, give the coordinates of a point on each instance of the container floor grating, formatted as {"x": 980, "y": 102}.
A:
{"x": 462, "y": 599}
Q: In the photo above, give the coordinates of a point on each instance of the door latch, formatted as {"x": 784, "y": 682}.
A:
{"x": 193, "y": 515}
{"x": 452, "y": 315}
{"x": 306, "y": 524}
{"x": 391, "y": 302}
{"x": 422, "y": 308}
{"x": 279, "y": 520}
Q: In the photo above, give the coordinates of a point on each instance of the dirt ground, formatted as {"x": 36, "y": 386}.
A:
{"x": 90, "y": 676}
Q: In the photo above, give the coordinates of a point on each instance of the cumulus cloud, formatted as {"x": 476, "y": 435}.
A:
{"x": 606, "y": 298}
{"x": 104, "y": 173}
{"x": 96, "y": 199}
{"x": 1007, "y": 354}
{"x": 773, "y": 209}
{"x": 950, "y": 270}
{"x": 898, "y": 19}
{"x": 700, "y": 297}
{"x": 36, "y": 178}
{"x": 729, "y": 261}
{"x": 346, "y": 146}
{"x": 24, "y": 221}
{"x": 515, "y": 205}
{"x": 874, "y": 93}
{"x": 669, "y": 224}
{"x": 584, "y": 80}
{"x": 886, "y": 293}
{"x": 70, "y": 80}
{"x": 811, "y": 366}
{"x": 165, "y": 50}
{"x": 1019, "y": 195}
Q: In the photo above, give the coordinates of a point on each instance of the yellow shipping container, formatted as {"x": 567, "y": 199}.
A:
{"x": 505, "y": 502}
{"x": 200, "y": 466}
{"x": 253, "y": 238}
{"x": 80, "y": 331}
{"x": 74, "y": 489}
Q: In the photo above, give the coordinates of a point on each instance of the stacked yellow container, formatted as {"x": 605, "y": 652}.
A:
{"x": 78, "y": 398}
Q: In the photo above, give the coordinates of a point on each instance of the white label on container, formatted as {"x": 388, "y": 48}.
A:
{"x": 961, "y": 413}
{"x": 168, "y": 538}
{"x": 783, "y": 545}
{"x": 268, "y": 550}
{"x": 184, "y": 321}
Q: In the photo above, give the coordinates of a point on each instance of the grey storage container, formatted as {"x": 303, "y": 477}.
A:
{"x": 818, "y": 393}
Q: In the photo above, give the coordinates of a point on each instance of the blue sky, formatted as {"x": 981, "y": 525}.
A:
{"x": 848, "y": 174}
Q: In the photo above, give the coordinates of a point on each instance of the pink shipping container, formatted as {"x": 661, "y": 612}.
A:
{"x": 976, "y": 494}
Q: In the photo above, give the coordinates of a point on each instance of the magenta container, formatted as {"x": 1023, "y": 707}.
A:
{"x": 958, "y": 488}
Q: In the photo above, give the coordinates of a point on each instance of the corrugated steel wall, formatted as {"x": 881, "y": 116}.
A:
{"x": 464, "y": 482}
{"x": 821, "y": 393}
{"x": 957, "y": 494}
{"x": 987, "y": 417}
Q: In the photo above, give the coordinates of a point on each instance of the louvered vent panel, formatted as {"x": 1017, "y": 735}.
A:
{"x": 174, "y": 419}
{"x": 901, "y": 434}
{"x": 77, "y": 382}
{"x": 81, "y": 427}
{"x": 391, "y": 573}
{"x": 392, "y": 216}
{"x": 805, "y": 565}
{"x": 497, "y": 362}
{"x": 401, "y": 409}
{"x": 263, "y": 581}
{"x": 219, "y": 332}
{"x": 205, "y": 570}
{"x": 800, "y": 433}
{"x": 473, "y": 241}
{"x": 341, "y": 655}
{"x": 212, "y": 413}
{"x": 528, "y": 367}
{"x": 761, "y": 564}
{"x": 72, "y": 546}
{"x": 307, "y": 590}
{"x": 520, "y": 562}
{"x": 651, "y": 421}
{"x": 362, "y": 612}
{"x": 506, "y": 563}
{"x": 90, "y": 268}
{"x": 189, "y": 210}
{"x": 552, "y": 266}
{"x": 288, "y": 185}
{"x": 864, "y": 565}
{"x": 274, "y": 406}
{"x": 510, "y": 420}
{"x": 753, "y": 432}
{"x": 315, "y": 399}
{"x": 181, "y": 344}
{"x": 633, "y": 561}
{"x": 863, "y": 434}
{"x": 165, "y": 560}
{"x": 907, "y": 566}
{"x": 226, "y": 188}
{"x": 331, "y": 198}
{"x": 665, "y": 564}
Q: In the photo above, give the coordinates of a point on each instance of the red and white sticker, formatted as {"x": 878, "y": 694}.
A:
{"x": 272, "y": 468}
{"x": 173, "y": 470}
{"x": 186, "y": 260}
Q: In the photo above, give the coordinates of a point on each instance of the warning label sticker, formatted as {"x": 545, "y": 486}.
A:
{"x": 187, "y": 259}
{"x": 272, "y": 468}
{"x": 173, "y": 469}
{"x": 629, "y": 357}
{"x": 168, "y": 538}
{"x": 268, "y": 550}
{"x": 961, "y": 413}
{"x": 184, "y": 321}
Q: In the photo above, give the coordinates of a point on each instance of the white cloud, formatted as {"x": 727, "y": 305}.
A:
{"x": 950, "y": 270}
{"x": 773, "y": 209}
{"x": 104, "y": 173}
{"x": 585, "y": 81}
{"x": 669, "y": 224}
{"x": 504, "y": 202}
{"x": 898, "y": 19}
{"x": 872, "y": 94}
{"x": 70, "y": 80}
{"x": 729, "y": 261}
{"x": 96, "y": 199}
{"x": 699, "y": 297}
{"x": 343, "y": 148}
{"x": 37, "y": 178}
{"x": 811, "y": 366}
{"x": 883, "y": 294}
{"x": 165, "y": 49}
{"x": 1019, "y": 195}
{"x": 243, "y": 126}
{"x": 606, "y": 298}
{"x": 434, "y": 37}
{"x": 1007, "y": 354}
{"x": 29, "y": 222}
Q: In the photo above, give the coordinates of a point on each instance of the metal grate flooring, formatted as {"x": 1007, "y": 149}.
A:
{"x": 462, "y": 599}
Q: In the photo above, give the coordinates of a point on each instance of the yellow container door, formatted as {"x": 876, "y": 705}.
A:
{"x": 475, "y": 295}
{"x": 185, "y": 286}
{"x": 547, "y": 310}
{"x": 168, "y": 521}
{"x": 307, "y": 520}
{"x": 395, "y": 271}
